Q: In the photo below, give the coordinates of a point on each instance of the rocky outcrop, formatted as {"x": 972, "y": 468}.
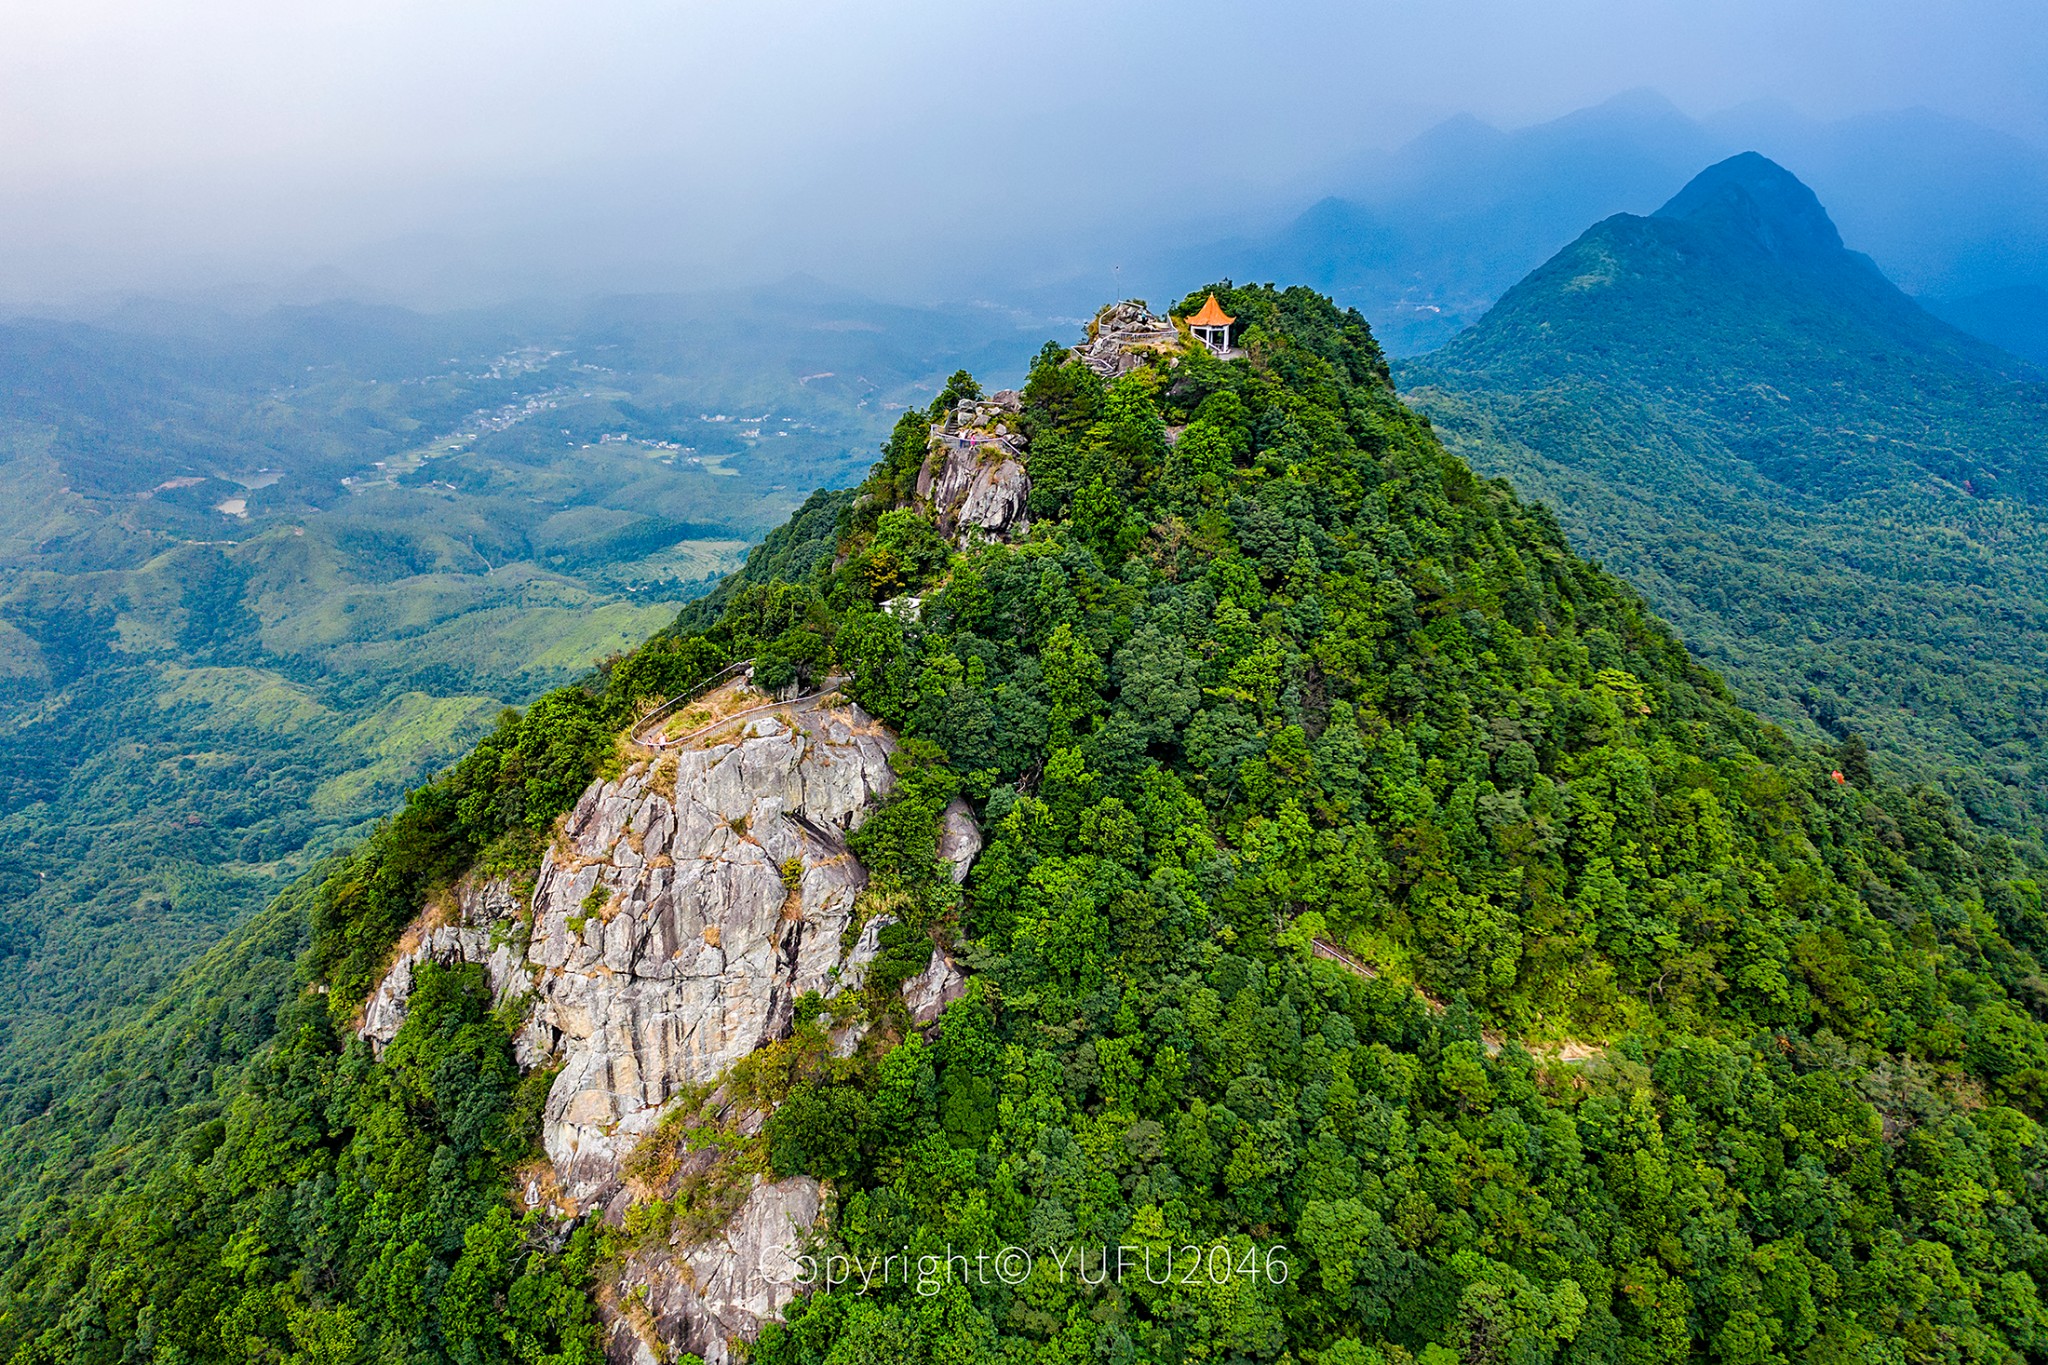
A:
{"x": 700, "y": 1298}
{"x": 1123, "y": 336}
{"x": 973, "y": 477}
{"x": 1004, "y": 405}
{"x": 959, "y": 837}
{"x": 484, "y": 930}
{"x": 686, "y": 914}
{"x": 853, "y": 973}
{"x": 995, "y": 503}
{"x": 929, "y": 992}
{"x": 684, "y": 908}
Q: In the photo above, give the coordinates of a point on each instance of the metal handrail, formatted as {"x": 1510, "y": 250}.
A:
{"x": 831, "y": 684}
{"x": 723, "y": 675}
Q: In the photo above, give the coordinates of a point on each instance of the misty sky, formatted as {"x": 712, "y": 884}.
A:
{"x": 213, "y": 140}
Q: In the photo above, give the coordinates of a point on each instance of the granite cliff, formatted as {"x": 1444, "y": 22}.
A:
{"x": 682, "y": 910}
{"x": 973, "y": 479}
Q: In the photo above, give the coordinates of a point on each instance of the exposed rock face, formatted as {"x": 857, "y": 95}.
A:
{"x": 483, "y": 932}
{"x": 995, "y": 502}
{"x": 685, "y": 908}
{"x": 853, "y": 973}
{"x": 669, "y": 943}
{"x": 937, "y": 986}
{"x": 1122, "y": 336}
{"x": 975, "y": 485}
{"x": 699, "y": 1298}
{"x": 973, "y": 476}
{"x": 1002, "y": 405}
{"x": 959, "y": 838}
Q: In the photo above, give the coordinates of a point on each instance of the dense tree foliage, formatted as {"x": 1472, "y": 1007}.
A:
{"x": 1294, "y": 676}
{"x": 1367, "y": 877}
{"x": 1839, "y": 502}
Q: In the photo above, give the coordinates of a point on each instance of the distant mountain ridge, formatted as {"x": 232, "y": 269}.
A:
{"x": 1841, "y": 500}
{"x": 1423, "y": 239}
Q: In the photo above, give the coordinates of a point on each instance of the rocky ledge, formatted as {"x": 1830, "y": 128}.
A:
{"x": 1123, "y": 336}
{"x": 696, "y": 898}
{"x": 702, "y": 1297}
{"x": 973, "y": 476}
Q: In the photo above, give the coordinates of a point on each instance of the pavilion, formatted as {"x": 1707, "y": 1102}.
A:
{"x": 1211, "y": 326}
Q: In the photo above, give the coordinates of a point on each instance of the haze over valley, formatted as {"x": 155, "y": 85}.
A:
{"x": 258, "y": 576}
{"x": 797, "y": 683}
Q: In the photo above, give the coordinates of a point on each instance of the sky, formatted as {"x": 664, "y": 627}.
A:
{"x": 489, "y": 144}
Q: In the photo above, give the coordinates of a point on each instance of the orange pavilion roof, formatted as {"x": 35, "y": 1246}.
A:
{"x": 1212, "y": 315}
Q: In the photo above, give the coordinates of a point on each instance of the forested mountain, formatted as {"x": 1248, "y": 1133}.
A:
{"x": 260, "y": 575}
{"x": 1365, "y": 876}
{"x": 1840, "y": 502}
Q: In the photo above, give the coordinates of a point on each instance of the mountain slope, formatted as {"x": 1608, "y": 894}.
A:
{"x": 258, "y": 576}
{"x": 1841, "y": 502}
{"x": 1380, "y": 913}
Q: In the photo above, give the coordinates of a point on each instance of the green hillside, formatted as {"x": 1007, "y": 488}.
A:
{"x": 1838, "y": 501}
{"x": 260, "y": 576}
{"x": 1368, "y": 877}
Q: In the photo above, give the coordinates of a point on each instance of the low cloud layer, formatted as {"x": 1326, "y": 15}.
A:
{"x": 476, "y": 147}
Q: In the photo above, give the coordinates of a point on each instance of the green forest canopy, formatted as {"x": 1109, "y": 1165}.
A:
{"x": 1834, "y": 497}
{"x": 1272, "y": 669}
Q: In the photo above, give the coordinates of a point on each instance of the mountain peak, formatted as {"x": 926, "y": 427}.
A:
{"x": 1753, "y": 198}
{"x": 1634, "y": 108}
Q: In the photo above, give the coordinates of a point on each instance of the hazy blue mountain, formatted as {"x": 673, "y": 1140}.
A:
{"x": 1946, "y": 207}
{"x": 1839, "y": 499}
{"x": 1434, "y": 231}
{"x": 1425, "y": 238}
{"x": 2015, "y": 318}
